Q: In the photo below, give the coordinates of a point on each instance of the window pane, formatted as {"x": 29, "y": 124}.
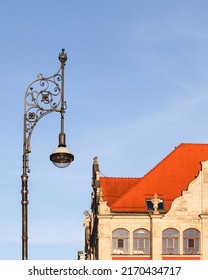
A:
{"x": 164, "y": 246}
{"x": 170, "y": 243}
{"x": 120, "y": 243}
{"x": 149, "y": 204}
{"x": 196, "y": 246}
{"x": 170, "y": 233}
{"x": 141, "y": 243}
{"x": 176, "y": 246}
{"x": 141, "y": 233}
{"x": 114, "y": 244}
{"x": 120, "y": 233}
{"x": 191, "y": 232}
{"x": 135, "y": 244}
{"x": 126, "y": 244}
{"x": 160, "y": 205}
{"x": 147, "y": 242}
{"x": 190, "y": 243}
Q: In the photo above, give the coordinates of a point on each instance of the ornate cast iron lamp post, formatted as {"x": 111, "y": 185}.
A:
{"x": 43, "y": 96}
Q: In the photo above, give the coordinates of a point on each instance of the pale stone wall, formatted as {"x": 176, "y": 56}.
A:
{"x": 108, "y": 224}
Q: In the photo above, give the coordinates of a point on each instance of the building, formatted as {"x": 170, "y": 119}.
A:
{"x": 161, "y": 216}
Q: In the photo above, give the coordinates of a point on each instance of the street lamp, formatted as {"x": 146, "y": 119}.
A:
{"x": 43, "y": 96}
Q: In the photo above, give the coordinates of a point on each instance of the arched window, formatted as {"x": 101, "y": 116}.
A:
{"x": 141, "y": 241}
{"x": 170, "y": 241}
{"x": 120, "y": 238}
{"x": 191, "y": 239}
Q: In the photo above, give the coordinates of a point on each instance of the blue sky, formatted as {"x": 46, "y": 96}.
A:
{"x": 136, "y": 84}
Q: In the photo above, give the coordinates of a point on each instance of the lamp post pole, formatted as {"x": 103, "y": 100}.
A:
{"x": 43, "y": 96}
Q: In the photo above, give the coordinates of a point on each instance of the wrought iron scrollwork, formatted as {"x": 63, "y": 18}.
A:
{"x": 42, "y": 96}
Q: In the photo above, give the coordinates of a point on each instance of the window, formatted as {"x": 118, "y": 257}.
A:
{"x": 120, "y": 239}
{"x": 150, "y": 204}
{"x": 141, "y": 241}
{"x": 170, "y": 241}
{"x": 191, "y": 239}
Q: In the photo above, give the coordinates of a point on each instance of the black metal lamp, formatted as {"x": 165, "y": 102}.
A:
{"x": 43, "y": 96}
{"x": 61, "y": 156}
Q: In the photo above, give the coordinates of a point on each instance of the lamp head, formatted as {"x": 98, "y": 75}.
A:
{"x": 61, "y": 156}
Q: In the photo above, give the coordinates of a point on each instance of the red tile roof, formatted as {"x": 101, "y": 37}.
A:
{"x": 168, "y": 179}
{"x": 113, "y": 188}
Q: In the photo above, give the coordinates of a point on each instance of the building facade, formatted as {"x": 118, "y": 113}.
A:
{"x": 161, "y": 216}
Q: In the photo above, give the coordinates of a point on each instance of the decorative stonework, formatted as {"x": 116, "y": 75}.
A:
{"x": 100, "y": 193}
{"x": 87, "y": 225}
{"x": 155, "y": 200}
{"x": 182, "y": 205}
{"x": 103, "y": 208}
{"x": 95, "y": 160}
{"x": 97, "y": 172}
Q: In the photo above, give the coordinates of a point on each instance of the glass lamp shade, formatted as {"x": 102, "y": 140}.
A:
{"x": 61, "y": 157}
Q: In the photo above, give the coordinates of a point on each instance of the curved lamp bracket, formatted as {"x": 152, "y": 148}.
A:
{"x": 42, "y": 97}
